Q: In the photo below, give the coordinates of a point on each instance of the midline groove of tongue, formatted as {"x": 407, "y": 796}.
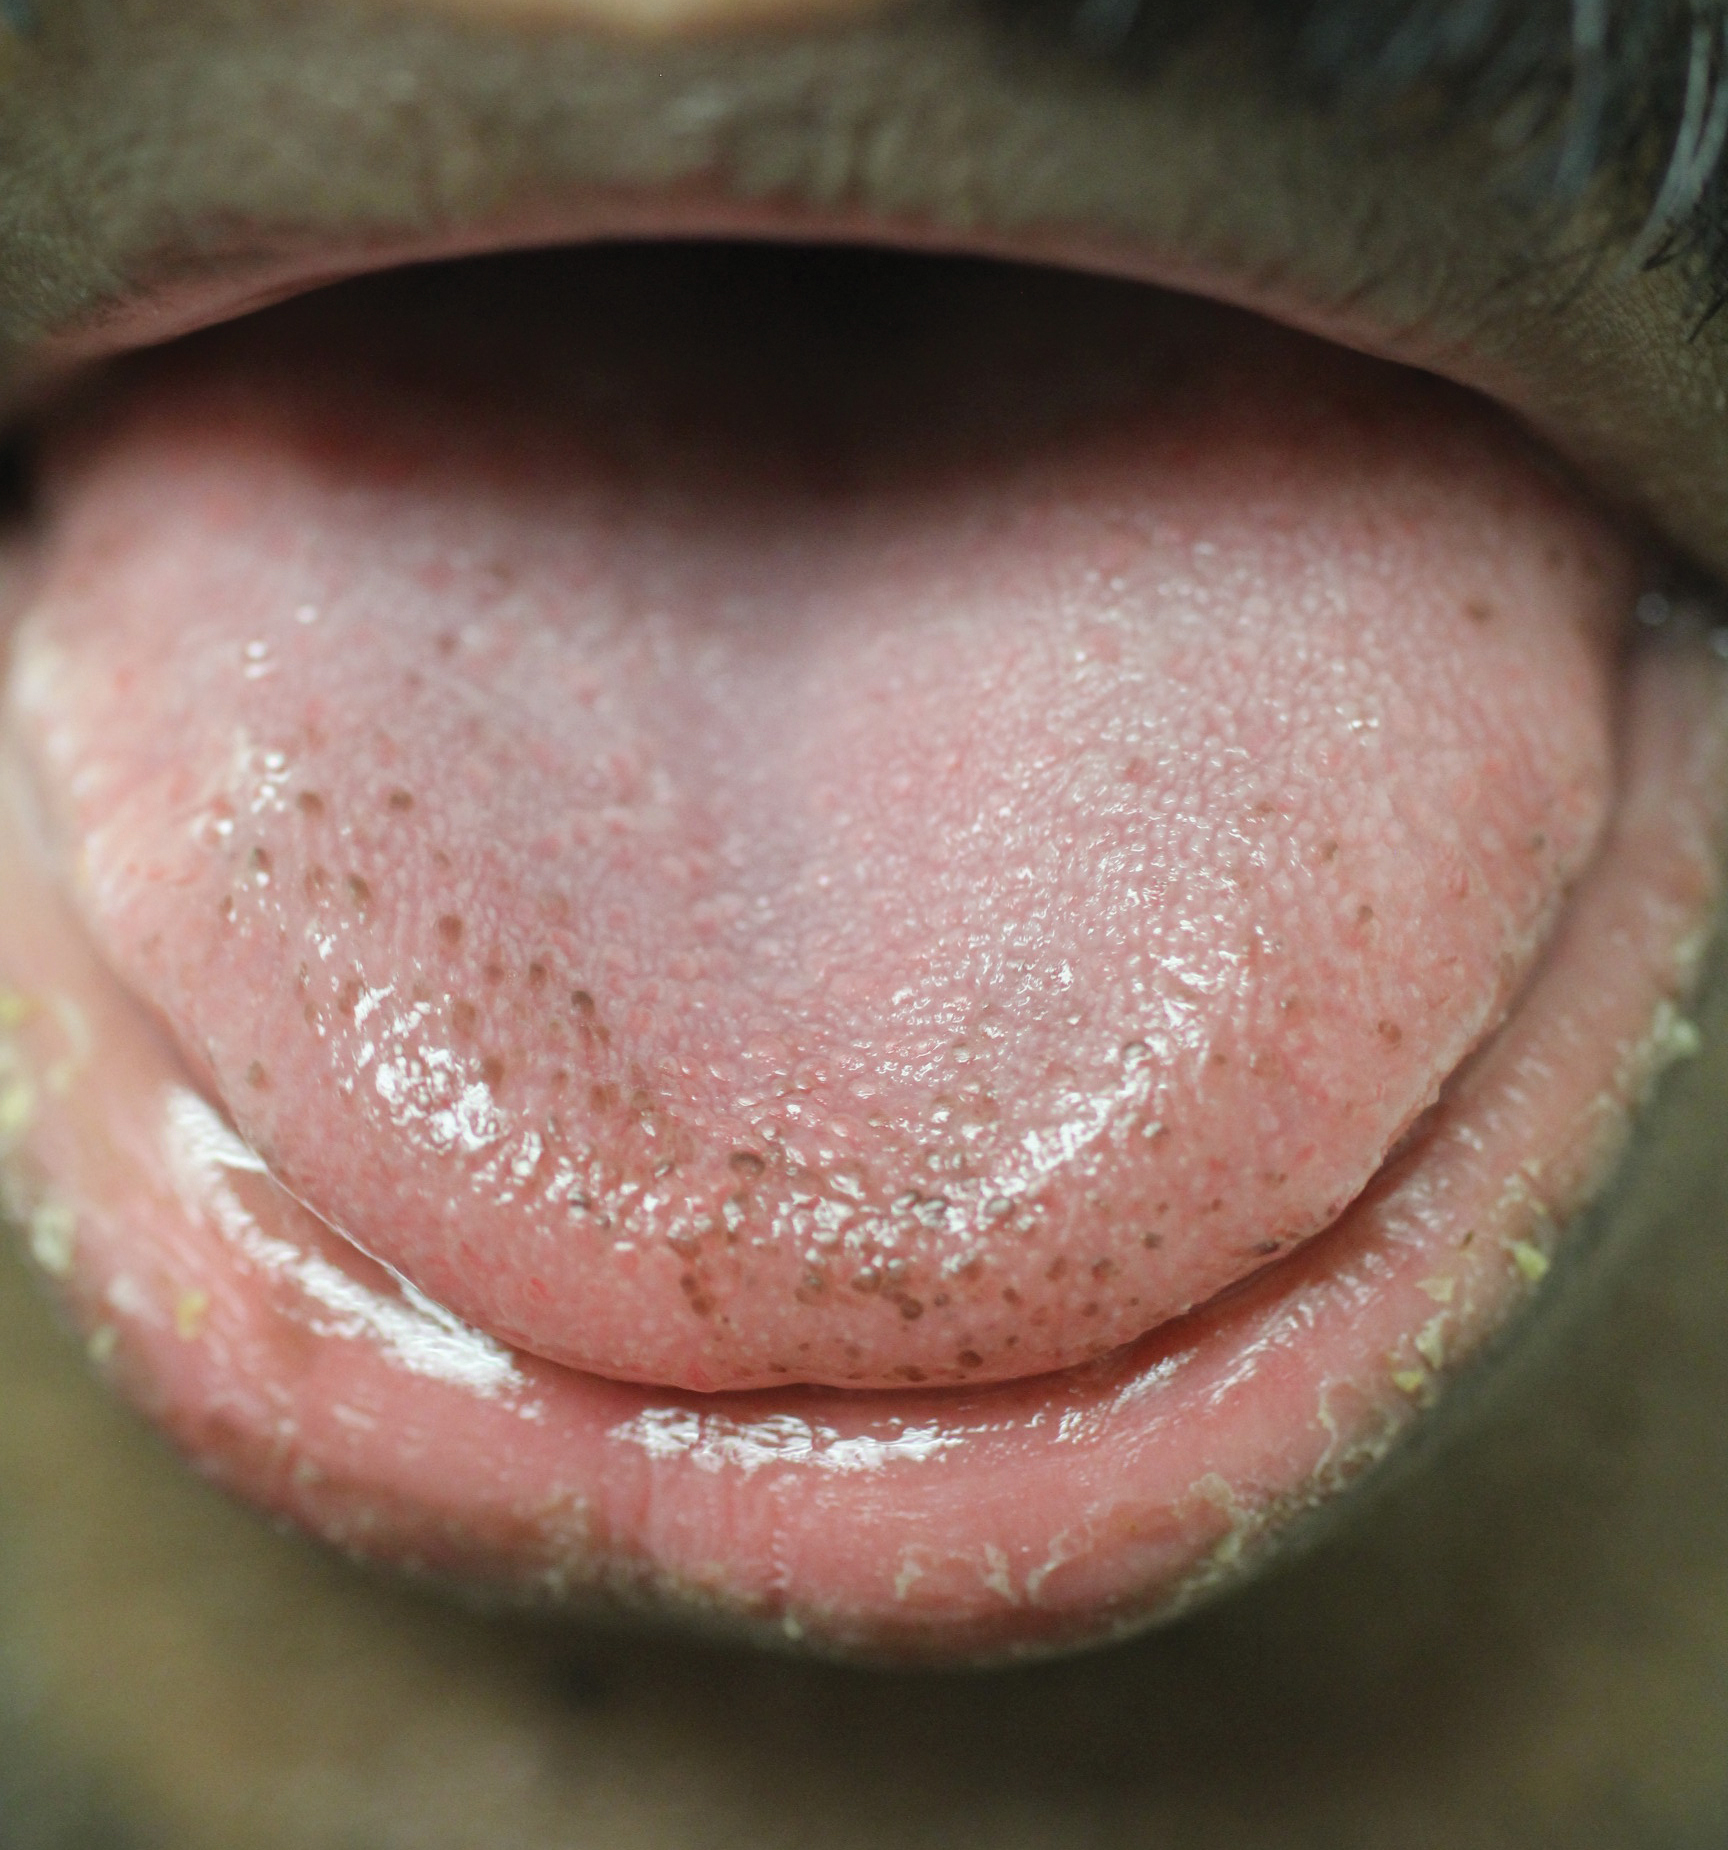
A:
{"x": 705, "y": 931}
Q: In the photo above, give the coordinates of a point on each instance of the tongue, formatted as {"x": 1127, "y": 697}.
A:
{"x": 734, "y": 841}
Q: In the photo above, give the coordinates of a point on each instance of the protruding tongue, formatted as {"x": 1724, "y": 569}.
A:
{"x": 908, "y": 827}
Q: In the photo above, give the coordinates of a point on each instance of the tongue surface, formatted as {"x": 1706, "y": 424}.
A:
{"x": 739, "y": 832}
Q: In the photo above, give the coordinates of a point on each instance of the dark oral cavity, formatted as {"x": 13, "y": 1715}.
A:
{"x": 752, "y": 822}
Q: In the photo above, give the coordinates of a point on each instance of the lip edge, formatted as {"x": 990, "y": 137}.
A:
{"x": 236, "y": 274}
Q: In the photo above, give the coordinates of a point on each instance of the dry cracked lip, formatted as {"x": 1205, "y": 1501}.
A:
{"x": 417, "y": 1411}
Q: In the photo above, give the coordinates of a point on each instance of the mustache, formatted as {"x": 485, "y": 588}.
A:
{"x": 1630, "y": 98}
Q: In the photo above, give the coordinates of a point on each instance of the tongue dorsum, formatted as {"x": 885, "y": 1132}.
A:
{"x": 757, "y": 846}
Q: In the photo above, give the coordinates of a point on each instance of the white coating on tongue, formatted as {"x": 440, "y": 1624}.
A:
{"x": 719, "y": 921}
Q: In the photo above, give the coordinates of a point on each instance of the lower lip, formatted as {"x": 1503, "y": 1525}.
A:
{"x": 903, "y": 1526}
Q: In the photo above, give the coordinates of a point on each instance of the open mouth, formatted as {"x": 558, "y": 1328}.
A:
{"x": 894, "y": 949}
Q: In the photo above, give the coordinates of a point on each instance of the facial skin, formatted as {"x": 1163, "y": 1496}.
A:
{"x": 1522, "y": 1639}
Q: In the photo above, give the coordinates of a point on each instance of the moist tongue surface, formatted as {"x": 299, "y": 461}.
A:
{"x": 734, "y": 829}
